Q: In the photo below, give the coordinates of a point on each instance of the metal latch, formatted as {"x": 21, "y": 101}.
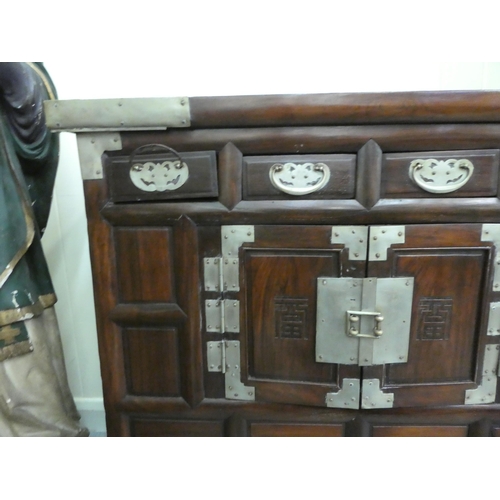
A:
{"x": 363, "y": 321}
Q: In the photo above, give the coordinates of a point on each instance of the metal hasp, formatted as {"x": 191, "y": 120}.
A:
{"x": 491, "y": 232}
{"x": 380, "y": 309}
{"x": 224, "y": 356}
{"x": 347, "y": 397}
{"x": 486, "y": 391}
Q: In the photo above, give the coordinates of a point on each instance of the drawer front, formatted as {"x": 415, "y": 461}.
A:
{"x": 299, "y": 176}
{"x": 440, "y": 174}
{"x": 158, "y": 177}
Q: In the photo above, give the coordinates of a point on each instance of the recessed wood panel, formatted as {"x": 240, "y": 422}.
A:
{"x": 281, "y": 314}
{"x": 396, "y": 182}
{"x": 296, "y": 430}
{"x": 445, "y": 319}
{"x": 152, "y": 362}
{"x": 144, "y": 265}
{"x": 176, "y": 428}
{"x": 495, "y": 432}
{"x": 420, "y": 431}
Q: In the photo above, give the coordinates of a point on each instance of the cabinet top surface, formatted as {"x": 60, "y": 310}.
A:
{"x": 273, "y": 110}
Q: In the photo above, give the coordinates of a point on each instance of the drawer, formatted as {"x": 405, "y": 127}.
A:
{"x": 160, "y": 176}
{"x": 299, "y": 176}
{"x": 440, "y": 174}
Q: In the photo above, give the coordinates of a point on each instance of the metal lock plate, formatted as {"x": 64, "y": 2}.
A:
{"x": 383, "y": 310}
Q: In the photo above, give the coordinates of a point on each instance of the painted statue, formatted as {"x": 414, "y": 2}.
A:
{"x": 35, "y": 399}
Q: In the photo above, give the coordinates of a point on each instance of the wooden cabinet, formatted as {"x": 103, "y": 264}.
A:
{"x": 297, "y": 265}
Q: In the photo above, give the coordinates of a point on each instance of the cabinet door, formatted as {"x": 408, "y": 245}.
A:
{"x": 452, "y": 350}
{"x": 278, "y": 280}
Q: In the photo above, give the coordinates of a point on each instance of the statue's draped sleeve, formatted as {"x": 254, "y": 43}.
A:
{"x": 28, "y": 162}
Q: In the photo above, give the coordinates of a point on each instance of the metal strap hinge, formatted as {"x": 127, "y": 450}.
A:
{"x": 222, "y": 316}
{"x": 224, "y": 356}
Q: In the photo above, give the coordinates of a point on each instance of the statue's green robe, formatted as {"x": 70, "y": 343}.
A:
{"x": 28, "y": 162}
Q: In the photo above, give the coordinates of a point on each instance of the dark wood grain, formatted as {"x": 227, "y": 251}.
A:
{"x": 230, "y": 172}
{"x": 325, "y": 140}
{"x": 188, "y": 289}
{"x": 171, "y": 428}
{"x": 295, "y": 430}
{"x": 152, "y": 361}
{"x": 420, "y": 431}
{"x": 320, "y": 109}
{"x": 105, "y": 293}
{"x": 147, "y": 314}
{"x": 368, "y": 174}
{"x": 144, "y": 258}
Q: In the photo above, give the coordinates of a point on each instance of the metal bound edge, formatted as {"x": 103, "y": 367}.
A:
{"x": 494, "y": 319}
{"x": 487, "y": 388}
{"x": 381, "y": 238}
{"x": 491, "y": 232}
{"x": 148, "y": 113}
{"x": 91, "y": 146}
{"x": 355, "y": 238}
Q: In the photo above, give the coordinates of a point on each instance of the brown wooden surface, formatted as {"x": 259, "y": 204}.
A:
{"x": 319, "y": 109}
{"x": 420, "y": 431}
{"x": 152, "y": 361}
{"x": 323, "y": 140}
{"x": 144, "y": 261}
{"x": 450, "y": 266}
{"x": 172, "y": 428}
{"x": 295, "y": 430}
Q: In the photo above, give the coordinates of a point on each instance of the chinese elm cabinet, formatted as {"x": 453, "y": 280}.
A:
{"x": 310, "y": 265}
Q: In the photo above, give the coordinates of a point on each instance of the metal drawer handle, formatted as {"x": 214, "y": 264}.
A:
{"x": 353, "y": 318}
{"x": 299, "y": 179}
{"x": 441, "y": 177}
{"x": 151, "y": 176}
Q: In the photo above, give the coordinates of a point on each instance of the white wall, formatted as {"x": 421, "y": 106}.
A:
{"x": 65, "y": 241}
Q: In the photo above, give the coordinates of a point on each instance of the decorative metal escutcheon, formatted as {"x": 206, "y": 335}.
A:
{"x": 152, "y": 176}
{"x": 299, "y": 179}
{"x": 441, "y": 176}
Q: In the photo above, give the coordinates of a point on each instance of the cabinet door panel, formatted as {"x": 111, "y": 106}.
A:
{"x": 451, "y": 270}
{"x": 279, "y": 277}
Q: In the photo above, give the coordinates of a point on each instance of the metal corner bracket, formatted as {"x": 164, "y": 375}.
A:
{"x": 486, "y": 390}
{"x": 355, "y": 238}
{"x": 372, "y": 397}
{"x": 381, "y": 238}
{"x": 346, "y": 397}
{"x": 91, "y": 146}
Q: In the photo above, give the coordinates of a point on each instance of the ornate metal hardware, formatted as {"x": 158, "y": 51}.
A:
{"x": 381, "y": 238}
{"x": 486, "y": 390}
{"x": 355, "y": 238}
{"x": 152, "y": 176}
{"x": 346, "y": 332}
{"x": 372, "y": 397}
{"x": 299, "y": 179}
{"x": 222, "y": 273}
{"x": 440, "y": 176}
{"x": 224, "y": 356}
{"x": 346, "y": 397}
